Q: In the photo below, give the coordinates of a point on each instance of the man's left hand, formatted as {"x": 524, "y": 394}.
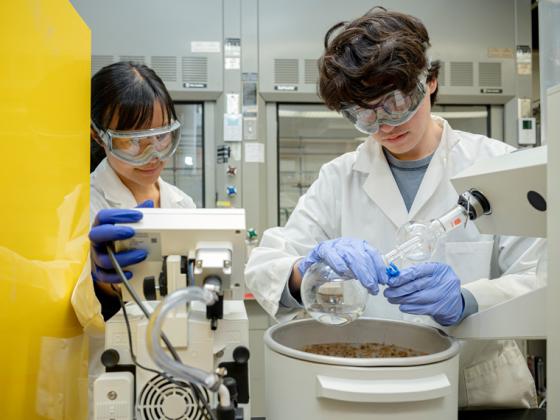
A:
{"x": 428, "y": 289}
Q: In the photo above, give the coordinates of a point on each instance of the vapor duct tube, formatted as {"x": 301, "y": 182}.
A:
{"x": 179, "y": 370}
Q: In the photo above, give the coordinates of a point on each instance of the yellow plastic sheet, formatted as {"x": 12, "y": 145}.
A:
{"x": 44, "y": 182}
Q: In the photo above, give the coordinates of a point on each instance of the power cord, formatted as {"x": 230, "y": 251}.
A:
{"x": 138, "y": 300}
{"x": 201, "y": 400}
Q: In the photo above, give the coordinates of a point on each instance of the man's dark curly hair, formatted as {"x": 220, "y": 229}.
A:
{"x": 375, "y": 54}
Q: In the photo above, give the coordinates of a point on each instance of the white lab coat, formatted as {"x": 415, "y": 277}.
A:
{"x": 108, "y": 191}
{"x": 356, "y": 196}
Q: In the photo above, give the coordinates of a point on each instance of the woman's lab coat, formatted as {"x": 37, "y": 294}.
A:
{"x": 356, "y": 196}
{"x": 108, "y": 191}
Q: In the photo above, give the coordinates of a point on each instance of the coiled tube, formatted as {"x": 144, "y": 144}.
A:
{"x": 159, "y": 355}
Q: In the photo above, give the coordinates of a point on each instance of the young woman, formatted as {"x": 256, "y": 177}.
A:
{"x": 134, "y": 130}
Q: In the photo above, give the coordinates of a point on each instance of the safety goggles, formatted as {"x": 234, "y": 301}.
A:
{"x": 395, "y": 108}
{"x": 138, "y": 147}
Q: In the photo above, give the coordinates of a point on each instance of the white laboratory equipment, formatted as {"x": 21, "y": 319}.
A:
{"x": 423, "y": 387}
{"x": 515, "y": 185}
{"x": 553, "y": 230}
{"x": 196, "y": 258}
{"x": 511, "y": 192}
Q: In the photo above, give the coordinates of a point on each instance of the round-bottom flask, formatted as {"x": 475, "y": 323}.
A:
{"x": 331, "y": 298}
{"x": 417, "y": 241}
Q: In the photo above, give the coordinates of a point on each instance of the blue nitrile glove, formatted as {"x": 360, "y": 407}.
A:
{"x": 349, "y": 257}
{"x": 148, "y": 204}
{"x": 103, "y": 232}
{"x": 428, "y": 289}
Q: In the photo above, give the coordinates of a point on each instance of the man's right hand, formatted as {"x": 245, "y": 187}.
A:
{"x": 352, "y": 258}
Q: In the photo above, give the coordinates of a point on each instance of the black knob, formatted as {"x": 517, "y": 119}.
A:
{"x": 241, "y": 354}
{"x": 149, "y": 288}
{"x": 163, "y": 286}
{"x": 226, "y": 413}
{"x": 110, "y": 358}
{"x": 536, "y": 200}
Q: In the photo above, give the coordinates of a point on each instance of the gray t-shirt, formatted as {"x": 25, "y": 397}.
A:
{"x": 408, "y": 175}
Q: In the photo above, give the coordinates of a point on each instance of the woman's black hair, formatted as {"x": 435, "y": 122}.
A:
{"x": 130, "y": 90}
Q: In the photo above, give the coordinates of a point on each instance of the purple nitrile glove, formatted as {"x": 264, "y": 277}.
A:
{"x": 353, "y": 258}
{"x": 428, "y": 289}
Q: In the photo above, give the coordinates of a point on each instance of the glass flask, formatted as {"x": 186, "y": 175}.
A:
{"x": 331, "y": 298}
{"x": 417, "y": 240}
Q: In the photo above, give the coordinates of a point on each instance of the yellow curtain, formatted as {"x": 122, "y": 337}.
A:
{"x": 44, "y": 187}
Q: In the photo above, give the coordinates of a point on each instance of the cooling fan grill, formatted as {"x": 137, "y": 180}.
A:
{"x": 163, "y": 400}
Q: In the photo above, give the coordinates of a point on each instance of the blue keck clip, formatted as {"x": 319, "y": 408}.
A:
{"x": 392, "y": 270}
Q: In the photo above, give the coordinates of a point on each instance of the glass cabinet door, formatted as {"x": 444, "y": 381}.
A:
{"x": 309, "y": 136}
{"x": 470, "y": 118}
{"x": 186, "y": 169}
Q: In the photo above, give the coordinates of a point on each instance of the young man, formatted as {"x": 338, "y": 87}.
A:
{"x": 376, "y": 71}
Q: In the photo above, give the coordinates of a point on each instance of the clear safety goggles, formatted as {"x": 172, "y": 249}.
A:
{"x": 138, "y": 147}
{"x": 395, "y": 108}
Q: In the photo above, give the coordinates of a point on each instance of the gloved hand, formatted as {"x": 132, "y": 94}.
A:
{"x": 349, "y": 257}
{"x": 104, "y": 231}
{"x": 428, "y": 289}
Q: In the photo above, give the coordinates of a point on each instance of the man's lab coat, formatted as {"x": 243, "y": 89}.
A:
{"x": 356, "y": 196}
